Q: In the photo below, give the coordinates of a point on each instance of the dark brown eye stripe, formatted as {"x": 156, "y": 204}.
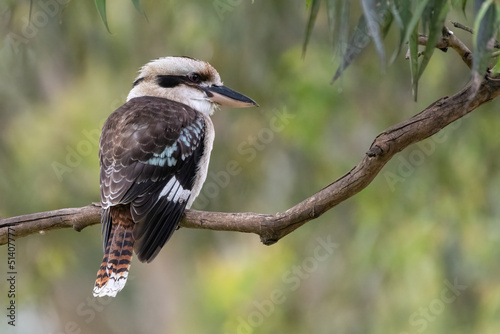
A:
{"x": 169, "y": 81}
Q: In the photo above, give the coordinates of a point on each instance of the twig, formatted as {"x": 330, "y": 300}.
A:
{"x": 271, "y": 228}
{"x": 448, "y": 40}
{"x": 461, "y": 26}
{"x": 470, "y": 30}
{"x": 456, "y": 44}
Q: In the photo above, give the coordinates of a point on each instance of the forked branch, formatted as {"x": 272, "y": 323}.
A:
{"x": 449, "y": 40}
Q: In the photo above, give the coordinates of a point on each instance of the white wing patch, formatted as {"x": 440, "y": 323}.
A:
{"x": 174, "y": 191}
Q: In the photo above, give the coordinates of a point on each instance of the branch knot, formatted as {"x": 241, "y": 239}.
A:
{"x": 374, "y": 151}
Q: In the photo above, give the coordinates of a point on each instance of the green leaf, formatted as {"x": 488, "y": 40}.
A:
{"x": 410, "y": 29}
{"x": 101, "y": 8}
{"x": 395, "y": 12}
{"x": 498, "y": 13}
{"x": 310, "y": 24}
{"x": 359, "y": 40}
{"x": 426, "y": 16}
{"x": 477, "y": 5}
{"x": 459, "y": 3}
{"x": 358, "y": 43}
{"x": 496, "y": 69}
{"x": 413, "y": 43}
{"x": 371, "y": 11}
{"x": 436, "y": 22}
{"x": 138, "y": 7}
{"x": 331, "y": 11}
{"x": 31, "y": 10}
{"x": 484, "y": 32}
{"x": 344, "y": 27}
{"x": 386, "y": 25}
{"x": 401, "y": 10}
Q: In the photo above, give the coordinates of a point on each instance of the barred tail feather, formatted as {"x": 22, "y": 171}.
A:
{"x": 112, "y": 274}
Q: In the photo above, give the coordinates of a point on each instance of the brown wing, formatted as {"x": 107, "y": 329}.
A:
{"x": 149, "y": 150}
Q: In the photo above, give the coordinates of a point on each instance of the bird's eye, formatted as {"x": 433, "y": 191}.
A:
{"x": 194, "y": 77}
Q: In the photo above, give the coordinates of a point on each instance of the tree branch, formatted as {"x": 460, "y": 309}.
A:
{"x": 271, "y": 228}
{"x": 449, "y": 40}
{"x": 469, "y": 30}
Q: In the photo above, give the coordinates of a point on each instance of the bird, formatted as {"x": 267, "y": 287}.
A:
{"x": 154, "y": 153}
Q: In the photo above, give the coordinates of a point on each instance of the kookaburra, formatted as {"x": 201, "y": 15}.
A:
{"x": 154, "y": 152}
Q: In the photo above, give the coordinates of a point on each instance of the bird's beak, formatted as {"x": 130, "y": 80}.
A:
{"x": 229, "y": 98}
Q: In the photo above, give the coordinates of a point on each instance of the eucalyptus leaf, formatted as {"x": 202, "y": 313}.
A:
{"x": 343, "y": 41}
{"x": 413, "y": 44}
{"x": 358, "y": 43}
{"x": 359, "y": 40}
{"x": 371, "y": 11}
{"x": 101, "y": 8}
{"x": 484, "y": 33}
{"x": 436, "y": 22}
{"x": 331, "y": 12}
{"x": 417, "y": 14}
{"x": 496, "y": 69}
{"x": 138, "y": 7}
{"x": 477, "y": 5}
{"x": 310, "y": 24}
{"x": 401, "y": 10}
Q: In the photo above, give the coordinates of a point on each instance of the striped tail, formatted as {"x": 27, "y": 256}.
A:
{"x": 112, "y": 274}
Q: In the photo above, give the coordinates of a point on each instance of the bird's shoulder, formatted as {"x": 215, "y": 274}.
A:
{"x": 151, "y": 110}
{"x": 150, "y": 124}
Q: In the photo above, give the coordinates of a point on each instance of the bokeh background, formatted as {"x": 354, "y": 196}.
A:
{"x": 415, "y": 252}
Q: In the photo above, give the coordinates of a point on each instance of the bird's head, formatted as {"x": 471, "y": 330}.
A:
{"x": 187, "y": 80}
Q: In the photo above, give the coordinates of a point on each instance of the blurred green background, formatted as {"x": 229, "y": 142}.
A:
{"x": 415, "y": 252}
